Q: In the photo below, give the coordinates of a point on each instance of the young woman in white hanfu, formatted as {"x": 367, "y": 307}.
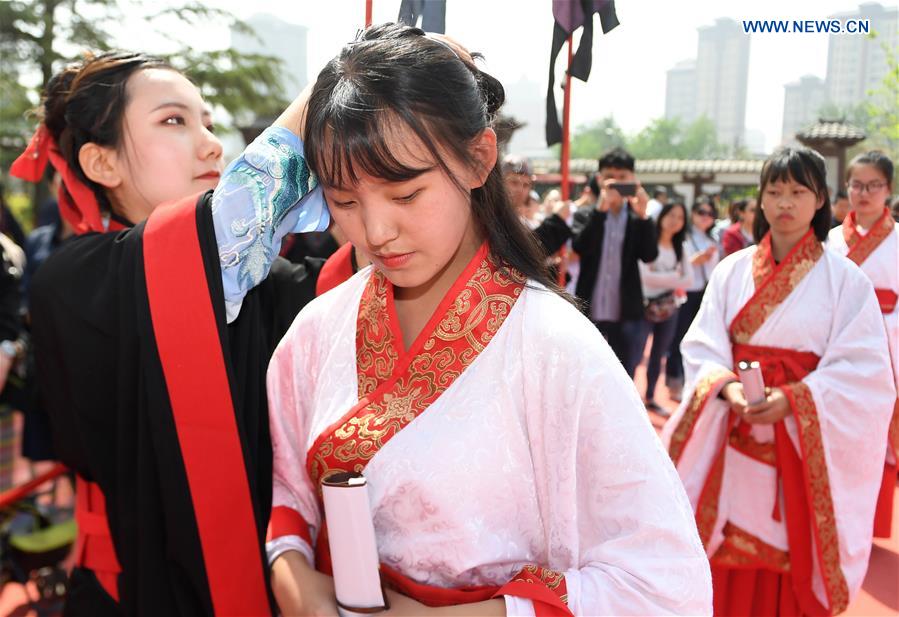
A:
{"x": 510, "y": 464}
{"x": 784, "y": 489}
{"x": 870, "y": 238}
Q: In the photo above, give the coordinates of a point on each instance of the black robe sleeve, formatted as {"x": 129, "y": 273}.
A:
{"x": 104, "y": 388}
{"x": 552, "y": 233}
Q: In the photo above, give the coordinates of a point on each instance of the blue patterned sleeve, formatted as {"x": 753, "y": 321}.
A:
{"x": 266, "y": 193}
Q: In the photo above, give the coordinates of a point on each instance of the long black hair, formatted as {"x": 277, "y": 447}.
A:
{"x": 677, "y": 240}
{"x": 802, "y": 165}
{"x": 393, "y": 73}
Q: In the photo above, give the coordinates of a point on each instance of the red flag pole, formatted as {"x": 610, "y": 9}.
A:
{"x": 367, "y": 13}
{"x": 566, "y": 115}
{"x": 566, "y": 155}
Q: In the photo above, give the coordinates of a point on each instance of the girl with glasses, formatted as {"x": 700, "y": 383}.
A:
{"x": 870, "y": 237}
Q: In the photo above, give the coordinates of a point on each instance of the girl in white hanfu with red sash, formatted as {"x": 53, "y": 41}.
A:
{"x": 870, "y": 238}
{"x": 784, "y": 489}
{"x": 510, "y": 464}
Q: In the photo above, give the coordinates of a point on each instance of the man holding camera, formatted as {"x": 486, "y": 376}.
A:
{"x": 610, "y": 239}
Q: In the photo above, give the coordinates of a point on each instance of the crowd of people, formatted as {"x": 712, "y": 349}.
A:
{"x": 466, "y": 346}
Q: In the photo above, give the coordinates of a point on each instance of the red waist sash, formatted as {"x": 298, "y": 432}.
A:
{"x": 886, "y": 298}
{"x": 94, "y": 549}
{"x": 544, "y": 587}
{"x": 779, "y": 366}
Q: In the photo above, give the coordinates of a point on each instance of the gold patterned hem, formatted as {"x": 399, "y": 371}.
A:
{"x": 819, "y": 494}
{"x": 746, "y": 444}
{"x": 706, "y": 387}
{"x": 741, "y": 549}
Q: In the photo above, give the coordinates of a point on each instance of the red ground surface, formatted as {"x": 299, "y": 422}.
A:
{"x": 879, "y": 594}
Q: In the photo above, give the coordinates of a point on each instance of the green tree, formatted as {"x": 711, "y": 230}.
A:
{"x": 38, "y": 36}
{"x": 665, "y": 138}
{"x": 657, "y": 140}
{"x": 591, "y": 140}
{"x": 881, "y": 108}
{"x": 662, "y": 138}
{"x": 878, "y": 114}
{"x": 700, "y": 141}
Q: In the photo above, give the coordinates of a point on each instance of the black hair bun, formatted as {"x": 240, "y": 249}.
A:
{"x": 493, "y": 92}
{"x": 56, "y": 98}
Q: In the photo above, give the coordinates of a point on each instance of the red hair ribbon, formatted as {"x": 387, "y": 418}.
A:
{"x": 77, "y": 203}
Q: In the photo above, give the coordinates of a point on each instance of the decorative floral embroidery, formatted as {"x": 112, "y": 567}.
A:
{"x": 395, "y": 388}
{"x": 774, "y": 283}
{"x": 551, "y": 579}
{"x": 860, "y": 247}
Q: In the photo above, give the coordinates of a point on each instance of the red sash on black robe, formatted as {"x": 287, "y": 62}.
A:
{"x": 196, "y": 378}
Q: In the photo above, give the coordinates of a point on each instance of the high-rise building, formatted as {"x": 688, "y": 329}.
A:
{"x": 857, "y": 63}
{"x": 715, "y": 84}
{"x": 680, "y": 91}
{"x": 803, "y": 100}
{"x": 722, "y": 74}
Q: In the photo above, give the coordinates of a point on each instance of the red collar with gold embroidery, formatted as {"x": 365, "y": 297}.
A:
{"x": 396, "y": 386}
{"x": 774, "y": 282}
{"x": 861, "y": 246}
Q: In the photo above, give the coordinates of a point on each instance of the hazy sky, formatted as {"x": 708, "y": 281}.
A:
{"x": 628, "y": 79}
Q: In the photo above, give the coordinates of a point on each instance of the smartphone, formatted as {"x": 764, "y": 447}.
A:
{"x": 625, "y": 189}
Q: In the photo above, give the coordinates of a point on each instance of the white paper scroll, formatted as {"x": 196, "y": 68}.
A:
{"x": 354, "y": 553}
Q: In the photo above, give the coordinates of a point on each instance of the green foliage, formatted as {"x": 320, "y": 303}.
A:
{"x": 591, "y": 140}
{"x": 38, "y": 37}
{"x": 882, "y": 109}
{"x": 878, "y": 115}
{"x": 662, "y": 138}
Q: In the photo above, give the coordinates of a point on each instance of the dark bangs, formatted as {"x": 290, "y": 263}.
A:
{"x": 392, "y": 86}
{"x": 350, "y": 139}
{"x": 804, "y": 166}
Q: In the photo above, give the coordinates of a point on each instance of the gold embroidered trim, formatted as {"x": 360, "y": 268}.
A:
{"x": 773, "y": 284}
{"x": 745, "y": 443}
{"x": 821, "y": 501}
{"x": 552, "y": 579}
{"x": 742, "y": 549}
{"x": 470, "y": 322}
{"x": 706, "y": 386}
{"x": 861, "y": 247}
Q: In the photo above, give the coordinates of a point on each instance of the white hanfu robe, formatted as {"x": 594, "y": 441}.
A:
{"x": 538, "y": 458}
{"x": 814, "y": 324}
{"x": 877, "y": 253}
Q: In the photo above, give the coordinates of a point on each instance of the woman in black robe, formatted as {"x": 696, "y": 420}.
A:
{"x": 153, "y": 329}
